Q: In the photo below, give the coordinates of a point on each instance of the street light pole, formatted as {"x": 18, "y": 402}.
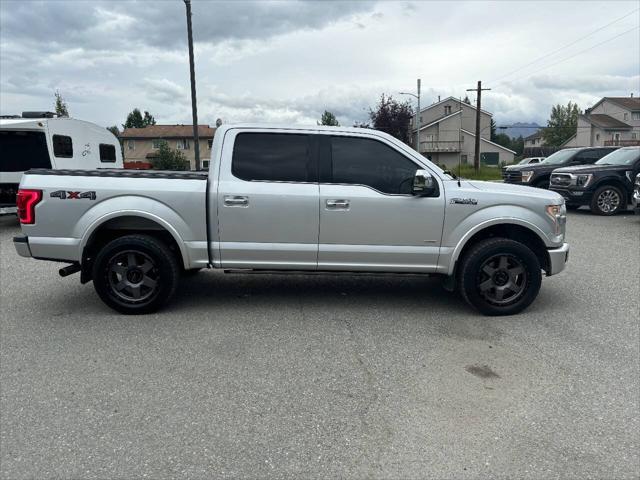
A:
{"x": 417, "y": 121}
{"x": 192, "y": 72}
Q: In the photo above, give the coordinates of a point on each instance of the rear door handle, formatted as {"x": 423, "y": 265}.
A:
{"x": 337, "y": 204}
{"x": 236, "y": 201}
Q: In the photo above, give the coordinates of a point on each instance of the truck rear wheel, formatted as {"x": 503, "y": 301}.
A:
{"x": 135, "y": 274}
{"x": 499, "y": 276}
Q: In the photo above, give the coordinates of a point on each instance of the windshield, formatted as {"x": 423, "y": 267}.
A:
{"x": 21, "y": 151}
{"x": 620, "y": 157}
{"x": 561, "y": 156}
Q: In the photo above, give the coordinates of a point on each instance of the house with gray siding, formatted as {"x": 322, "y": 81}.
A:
{"x": 447, "y": 135}
{"x": 613, "y": 121}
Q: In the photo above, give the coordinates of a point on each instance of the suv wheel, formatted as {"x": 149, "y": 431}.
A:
{"x": 135, "y": 274}
{"x": 607, "y": 200}
{"x": 499, "y": 276}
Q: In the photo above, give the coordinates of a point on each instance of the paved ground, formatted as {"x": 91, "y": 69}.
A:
{"x": 274, "y": 376}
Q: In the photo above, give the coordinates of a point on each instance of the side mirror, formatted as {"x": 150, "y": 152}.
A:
{"x": 424, "y": 185}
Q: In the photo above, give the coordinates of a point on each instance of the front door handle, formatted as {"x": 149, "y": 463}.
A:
{"x": 337, "y": 204}
{"x": 236, "y": 201}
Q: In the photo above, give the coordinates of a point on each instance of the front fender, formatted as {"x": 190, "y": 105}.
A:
{"x": 455, "y": 240}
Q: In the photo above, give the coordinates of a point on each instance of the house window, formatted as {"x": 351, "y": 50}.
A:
{"x": 210, "y": 143}
{"x": 107, "y": 153}
{"x": 429, "y": 138}
{"x": 131, "y": 145}
{"x": 626, "y": 115}
{"x": 464, "y": 159}
{"x": 183, "y": 144}
{"x": 420, "y": 119}
{"x": 634, "y": 136}
{"x": 597, "y": 137}
{"x": 205, "y": 164}
{"x": 156, "y": 142}
{"x": 635, "y": 115}
{"x": 447, "y": 110}
{"x": 62, "y": 146}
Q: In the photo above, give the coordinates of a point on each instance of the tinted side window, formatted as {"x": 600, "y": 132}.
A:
{"x": 62, "y": 146}
{"x": 369, "y": 162}
{"x": 107, "y": 153}
{"x": 281, "y": 157}
{"x": 22, "y": 150}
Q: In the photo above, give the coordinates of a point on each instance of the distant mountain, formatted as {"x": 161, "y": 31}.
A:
{"x": 519, "y": 128}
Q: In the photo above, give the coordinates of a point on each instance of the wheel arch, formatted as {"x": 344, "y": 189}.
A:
{"x": 520, "y": 231}
{"x": 118, "y": 224}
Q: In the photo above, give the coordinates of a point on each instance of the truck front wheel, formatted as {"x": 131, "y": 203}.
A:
{"x": 499, "y": 276}
{"x": 135, "y": 274}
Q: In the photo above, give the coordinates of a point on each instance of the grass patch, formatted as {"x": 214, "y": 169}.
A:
{"x": 485, "y": 173}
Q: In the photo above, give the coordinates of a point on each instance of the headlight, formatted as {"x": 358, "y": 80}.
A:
{"x": 558, "y": 215}
{"x": 583, "y": 179}
{"x": 526, "y": 176}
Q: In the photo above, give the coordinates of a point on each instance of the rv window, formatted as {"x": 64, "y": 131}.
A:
{"x": 107, "y": 153}
{"x": 21, "y": 151}
{"x": 62, "y": 146}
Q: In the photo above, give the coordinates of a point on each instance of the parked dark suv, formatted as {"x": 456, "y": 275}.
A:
{"x": 606, "y": 186}
{"x": 539, "y": 175}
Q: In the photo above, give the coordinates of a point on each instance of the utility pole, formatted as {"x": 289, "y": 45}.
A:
{"x": 192, "y": 71}
{"x": 417, "y": 122}
{"x": 476, "y": 159}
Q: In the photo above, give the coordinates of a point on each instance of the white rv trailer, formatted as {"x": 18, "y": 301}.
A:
{"x": 42, "y": 140}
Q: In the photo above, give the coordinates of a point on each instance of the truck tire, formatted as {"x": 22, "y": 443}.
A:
{"x": 608, "y": 200}
{"x": 499, "y": 276}
{"x": 135, "y": 274}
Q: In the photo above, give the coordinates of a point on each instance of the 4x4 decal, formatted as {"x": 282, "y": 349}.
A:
{"x": 65, "y": 195}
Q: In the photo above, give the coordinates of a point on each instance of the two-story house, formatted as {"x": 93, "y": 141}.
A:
{"x": 447, "y": 135}
{"x": 613, "y": 121}
{"x": 141, "y": 145}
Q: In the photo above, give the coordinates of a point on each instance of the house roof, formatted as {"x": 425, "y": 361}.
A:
{"x": 457, "y": 112}
{"x": 455, "y": 100}
{"x": 488, "y": 141}
{"x": 168, "y": 131}
{"x": 605, "y": 121}
{"x": 630, "y": 103}
{"x": 538, "y": 134}
{"x": 569, "y": 139}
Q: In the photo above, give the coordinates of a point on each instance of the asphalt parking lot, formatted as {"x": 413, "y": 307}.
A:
{"x": 329, "y": 376}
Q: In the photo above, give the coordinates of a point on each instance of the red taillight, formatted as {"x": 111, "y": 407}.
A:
{"x": 26, "y": 202}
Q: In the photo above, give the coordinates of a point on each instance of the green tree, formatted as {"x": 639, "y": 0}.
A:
{"x": 329, "y": 119}
{"x": 493, "y": 128}
{"x": 168, "y": 159}
{"x": 562, "y": 124}
{"x": 466, "y": 100}
{"x": 362, "y": 125}
{"x": 136, "y": 120}
{"x": 393, "y": 117}
{"x": 502, "y": 139}
{"x": 61, "y": 105}
{"x": 114, "y": 129}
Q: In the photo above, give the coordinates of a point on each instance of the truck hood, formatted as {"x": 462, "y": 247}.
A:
{"x": 536, "y": 167}
{"x": 511, "y": 189}
{"x": 593, "y": 168}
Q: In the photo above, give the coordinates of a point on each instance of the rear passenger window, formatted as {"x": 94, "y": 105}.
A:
{"x": 107, "y": 153}
{"x": 363, "y": 161}
{"x": 278, "y": 157}
{"x": 62, "y": 146}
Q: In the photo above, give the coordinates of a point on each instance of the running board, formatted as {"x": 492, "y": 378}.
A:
{"x": 328, "y": 272}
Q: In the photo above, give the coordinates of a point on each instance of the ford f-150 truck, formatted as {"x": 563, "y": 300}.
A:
{"x": 294, "y": 199}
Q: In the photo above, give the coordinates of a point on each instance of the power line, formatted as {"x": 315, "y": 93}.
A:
{"x": 566, "y": 46}
{"x": 571, "y": 56}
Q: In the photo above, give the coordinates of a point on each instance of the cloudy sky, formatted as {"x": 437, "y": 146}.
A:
{"x": 288, "y": 61}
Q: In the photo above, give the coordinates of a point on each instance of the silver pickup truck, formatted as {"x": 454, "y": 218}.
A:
{"x": 294, "y": 199}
